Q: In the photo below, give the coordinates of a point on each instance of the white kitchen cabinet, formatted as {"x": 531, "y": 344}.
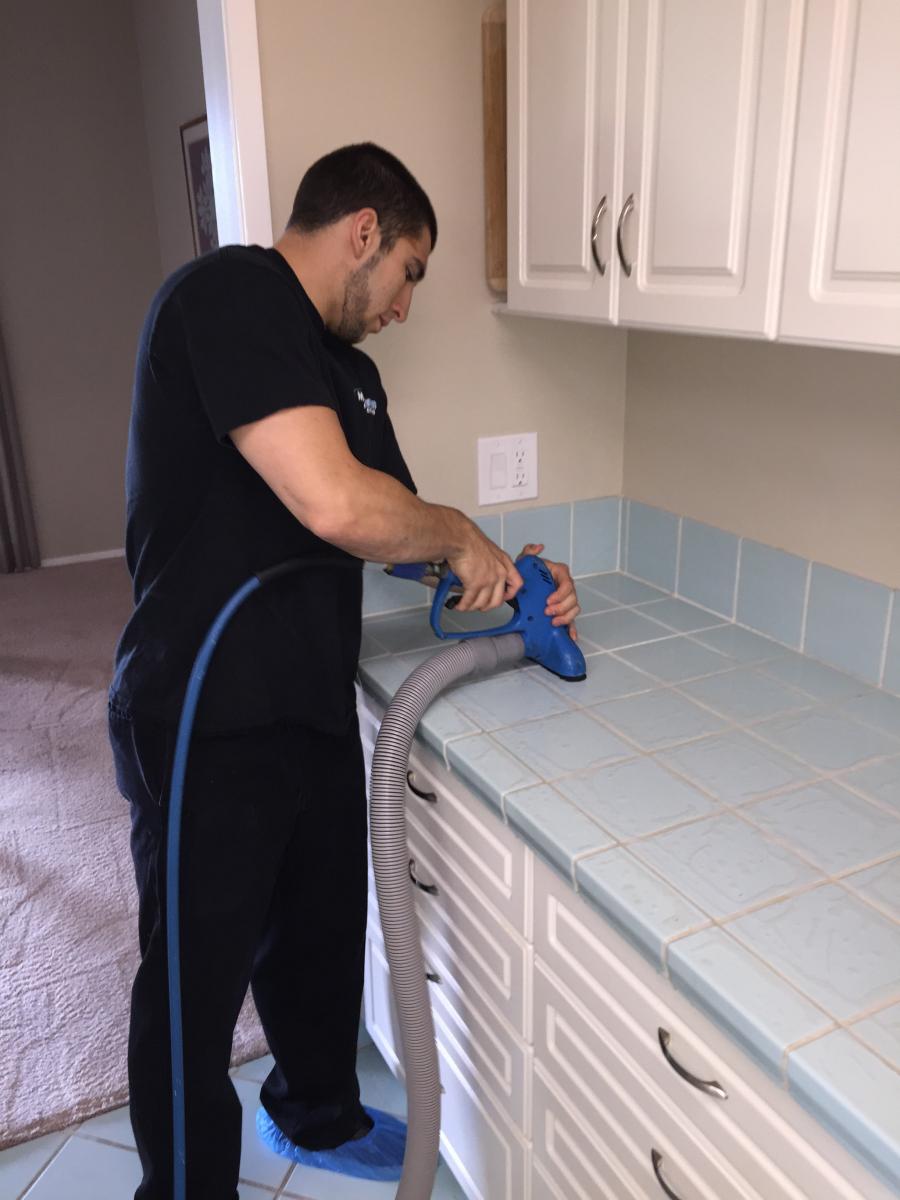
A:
{"x": 842, "y": 273}
{"x": 562, "y": 84}
{"x": 682, "y": 135}
{"x": 708, "y": 123}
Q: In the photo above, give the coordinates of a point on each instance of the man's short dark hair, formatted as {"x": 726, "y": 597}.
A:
{"x": 363, "y": 176}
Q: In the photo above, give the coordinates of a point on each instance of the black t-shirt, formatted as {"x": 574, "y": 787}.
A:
{"x": 229, "y": 339}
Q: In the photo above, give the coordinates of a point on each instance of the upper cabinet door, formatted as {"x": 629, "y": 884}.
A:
{"x": 842, "y": 275}
{"x": 709, "y": 115}
{"x": 561, "y": 114}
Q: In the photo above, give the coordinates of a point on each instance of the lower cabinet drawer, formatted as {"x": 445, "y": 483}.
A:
{"x": 484, "y": 1151}
{"x": 767, "y": 1152}
{"x": 492, "y": 1057}
{"x": 381, "y": 1018}
{"x": 467, "y": 940}
{"x": 621, "y": 1108}
{"x": 571, "y": 1162}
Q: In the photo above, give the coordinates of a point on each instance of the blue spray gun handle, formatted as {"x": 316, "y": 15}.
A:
{"x": 548, "y": 644}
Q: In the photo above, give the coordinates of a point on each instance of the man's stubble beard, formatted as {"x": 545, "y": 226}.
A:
{"x": 357, "y": 297}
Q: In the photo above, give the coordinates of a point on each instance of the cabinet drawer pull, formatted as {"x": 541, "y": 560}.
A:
{"x": 657, "y": 1160}
{"x": 433, "y": 977}
{"x": 430, "y": 888}
{"x": 429, "y": 796}
{"x": 627, "y": 207}
{"x": 595, "y": 225}
{"x": 711, "y": 1087}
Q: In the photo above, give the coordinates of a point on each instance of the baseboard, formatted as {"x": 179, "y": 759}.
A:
{"x": 82, "y": 558}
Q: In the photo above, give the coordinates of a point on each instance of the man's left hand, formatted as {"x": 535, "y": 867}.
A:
{"x": 562, "y": 605}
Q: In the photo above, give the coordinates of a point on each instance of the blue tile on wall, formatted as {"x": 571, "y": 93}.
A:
{"x": 854, "y": 1094}
{"x": 491, "y": 527}
{"x": 595, "y": 535}
{"x": 846, "y": 621}
{"x": 382, "y": 593}
{"x": 550, "y": 525}
{"x": 744, "y": 996}
{"x": 652, "y": 544}
{"x": 892, "y": 663}
{"x": 771, "y": 592}
{"x": 708, "y": 567}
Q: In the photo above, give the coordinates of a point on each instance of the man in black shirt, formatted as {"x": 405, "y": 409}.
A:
{"x": 259, "y": 433}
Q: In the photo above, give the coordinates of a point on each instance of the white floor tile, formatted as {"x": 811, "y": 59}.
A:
{"x": 377, "y": 1086}
{"x": 326, "y": 1185}
{"x": 257, "y": 1070}
{"x": 86, "y": 1170}
{"x": 113, "y": 1126}
{"x": 258, "y": 1163}
{"x": 20, "y": 1165}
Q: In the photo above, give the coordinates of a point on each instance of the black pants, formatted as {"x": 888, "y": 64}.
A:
{"x": 273, "y": 894}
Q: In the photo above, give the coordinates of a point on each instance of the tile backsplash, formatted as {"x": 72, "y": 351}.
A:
{"x": 840, "y": 619}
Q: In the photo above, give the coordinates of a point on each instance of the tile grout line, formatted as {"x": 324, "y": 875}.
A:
{"x": 42, "y": 1170}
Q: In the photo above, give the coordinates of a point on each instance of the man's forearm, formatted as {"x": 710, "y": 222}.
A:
{"x": 379, "y": 519}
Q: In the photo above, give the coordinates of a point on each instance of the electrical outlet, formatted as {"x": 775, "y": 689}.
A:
{"x": 507, "y": 468}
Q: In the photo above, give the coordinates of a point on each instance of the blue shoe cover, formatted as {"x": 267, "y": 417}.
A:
{"x": 378, "y": 1155}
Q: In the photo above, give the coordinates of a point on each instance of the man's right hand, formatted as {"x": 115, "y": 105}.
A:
{"x": 487, "y": 574}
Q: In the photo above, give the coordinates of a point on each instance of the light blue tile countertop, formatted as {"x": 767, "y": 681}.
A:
{"x": 729, "y": 805}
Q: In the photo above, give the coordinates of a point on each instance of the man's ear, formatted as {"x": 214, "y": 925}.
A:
{"x": 365, "y": 235}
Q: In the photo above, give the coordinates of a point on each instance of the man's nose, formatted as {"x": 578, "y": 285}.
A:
{"x": 401, "y": 306}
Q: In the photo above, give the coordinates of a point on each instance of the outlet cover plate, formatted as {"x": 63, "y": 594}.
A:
{"x": 507, "y": 468}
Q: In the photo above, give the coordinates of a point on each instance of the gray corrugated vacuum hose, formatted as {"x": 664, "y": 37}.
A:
{"x": 396, "y": 901}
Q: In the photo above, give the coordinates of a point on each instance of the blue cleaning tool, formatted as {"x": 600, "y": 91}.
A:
{"x": 548, "y": 645}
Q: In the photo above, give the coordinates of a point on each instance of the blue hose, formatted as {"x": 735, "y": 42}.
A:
{"x": 173, "y": 839}
{"x": 173, "y": 855}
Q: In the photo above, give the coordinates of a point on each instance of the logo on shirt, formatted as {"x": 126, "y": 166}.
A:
{"x": 370, "y": 406}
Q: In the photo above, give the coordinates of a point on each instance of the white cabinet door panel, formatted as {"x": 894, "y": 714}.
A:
{"x": 482, "y": 1148}
{"x": 469, "y": 834}
{"x": 561, "y": 112}
{"x": 842, "y": 279}
{"x": 622, "y": 1104}
{"x": 709, "y": 117}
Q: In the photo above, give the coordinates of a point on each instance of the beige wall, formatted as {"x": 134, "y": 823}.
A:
{"x": 79, "y": 256}
{"x": 168, "y": 43}
{"x": 793, "y": 446}
{"x": 407, "y": 74}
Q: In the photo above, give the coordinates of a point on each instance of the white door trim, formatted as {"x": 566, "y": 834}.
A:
{"x": 229, "y": 47}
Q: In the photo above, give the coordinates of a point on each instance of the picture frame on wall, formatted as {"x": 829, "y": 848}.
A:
{"x": 199, "y": 180}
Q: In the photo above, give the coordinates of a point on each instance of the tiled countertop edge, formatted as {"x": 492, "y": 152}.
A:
{"x": 602, "y": 876}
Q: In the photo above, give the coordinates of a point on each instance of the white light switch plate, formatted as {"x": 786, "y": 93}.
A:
{"x": 507, "y": 468}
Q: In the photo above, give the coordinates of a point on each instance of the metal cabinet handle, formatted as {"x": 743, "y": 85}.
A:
{"x": 627, "y": 207}
{"x": 429, "y": 796}
{"x": 710, "y": 1086}
{"x": 595, "y": 225}
{"x": 657, "y": 1159}
{"x": 430, "y": 888}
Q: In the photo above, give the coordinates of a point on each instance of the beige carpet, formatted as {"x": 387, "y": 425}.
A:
{"x": 68, "y": 924}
